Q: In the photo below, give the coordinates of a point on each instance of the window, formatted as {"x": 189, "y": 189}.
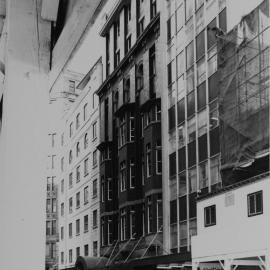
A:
{"x": 148, "y": 160}
{"x": 131, "y": 173}
{"x": 191, "y": 104}
{"x": 77, "y": 226}
{"x": 95, "y": 158}
{"x": 201, "y": 96}
{"x": 70, "y": 156}
{"x": 95, "y": 248}
{"x": 215, "y": 170}
{"x": 86, "y": 167}
{"x": 172, "y": 164}
{"x": 188, "y": 9}
{"x": 77, "y": 121}
{"x": 62, "y": 186}
{"x": 62, "y": 209}
{"x": 70, "y": 205}
{"x": 71, "y": 129}
{"x": 200, "y": 45}
{"x": 85, "y": 140}
{"x": 78, "y": 174}
{"x": 117, "y": 57}
{"x": 169, "y": 73}
{"x": 223, "y": 20}
{"x": 153, "y": 9}
{"x": 181, "y": 111}
{"x": 139, "y": 77}
{"x": 126, "y": 90}
{"x": 78, "y": 200}
{"x": 192, "y": 177}
{"x": 48, "y": 227}
{"x": 70, "y": 180}
{"x": 70, "y": 256}
{"x": 203, "y": 175}
{"x": 152, "y": 70}
{"x": 171, "y": 115}
{"x": 62, "y": 233}
{"x": 198, "y": 3}
{"x": 132, "y": 223}
{"x": 110, "y": 231}
{"x": 94, "y": 130}
{"x": 53, "y": 205}
{"x": 122, "y": 130}
{"x": 189, "y": 55}
{"x": 86, "y": 250}
{"x": 48, "y": 205}
{"x": 179, "y": 17}
{"x": 210, "y": 216}
{"x": 123, "y": 176}
{"x": 158, "y": 157}
{"x": 62, "y": 164}
{"x": 158, "y": 112}
{"x": 109, "y": 189}
{"x": 77, "y": 252}
{"x": 85, "y": 111}
{"x": 102, "y": 189}
{"x": 211, "y": 33}
{"x": 94, "y": 219}
{"x": 85, "y": 195}
{"x": 150, "y": 222}
{"x": 123, "y": 223}
{"x": 71, "y": 86}
{"x": 141, "y": 26}
{"x": 77, "y": 149}
{"x": 48, "y": 183}
{"x": 62, "y": 257}
{"x": 131, "y": 127}
{"x": 62, "y": 139}
{"x": 169, "y": 31}
{"x": 255, "y": 203}
{"x": 94, "y": 188}
{"x": 180, "y": 64}
{"x": 70, "y": 230}
{"x": 159, "y": 213}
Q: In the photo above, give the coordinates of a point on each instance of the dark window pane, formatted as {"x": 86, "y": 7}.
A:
{"x": 200, "y": 48}
{"x": 259, "y": 206}
{"x": 251, "y": 204}
{"x": 201, "y": 94}
{"x": 192, "y": 205}
{"x": 182, "y": 208}
{"x": 191, "y": 153}
{"x": 172, "y": 164}
{"x": 213, "y": 86}
{"x": 169, "y": 71}
{"x": 214, "y": 141}
{"x": 213, "y": 215}
{"x": 203, "y": 147}
{"x": 182, "y": 159}
{"x": 211, "y": 34}
{"x": 172, "y": 117}
{"x": 173, "y": 211}
{"x": 191, "y": 104}
{"x": 181, "y": 111}
{"x": 223, "y": 20}
{"x": 169, "y": 35}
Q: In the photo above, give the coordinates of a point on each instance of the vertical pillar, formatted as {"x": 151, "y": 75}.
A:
{"x": 23, "y": 137}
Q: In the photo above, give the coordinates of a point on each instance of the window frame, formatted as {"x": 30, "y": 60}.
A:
{"x": 212, "y": 223}
{"x": 260, "y": 192}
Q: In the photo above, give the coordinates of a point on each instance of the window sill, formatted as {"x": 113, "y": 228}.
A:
{"x": 94, "y": 227}
{"x": 85, "y": 174}
{"x": 86, "y": 231}
{"x": 77, "y": 234}
{"x": 94, "y": 197}
{"x": 255, "y": 214}
{"x": 86, "y": 202}
{"x": 94, "y": 166}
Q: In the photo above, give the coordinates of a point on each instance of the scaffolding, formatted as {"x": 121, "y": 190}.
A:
{"x": 243, "y": 61}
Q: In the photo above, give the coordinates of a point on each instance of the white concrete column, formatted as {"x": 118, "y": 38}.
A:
{"x": 23, "y": 138}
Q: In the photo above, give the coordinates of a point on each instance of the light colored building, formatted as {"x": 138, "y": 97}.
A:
{"x": 52, "y": 235}
{"x": 233, "y": 227}
{"x": 79, "y": 174}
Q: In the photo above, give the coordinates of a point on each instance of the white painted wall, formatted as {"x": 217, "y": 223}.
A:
{"x": 234, "y": 231}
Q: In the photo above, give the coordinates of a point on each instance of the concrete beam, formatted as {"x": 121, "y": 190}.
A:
{"x": 82, "y": 18}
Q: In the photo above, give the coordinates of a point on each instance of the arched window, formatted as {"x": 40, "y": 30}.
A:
{"x": 85, "y": 140}
{"x": 139, "y": 76}
{"x": 78, "y": 149}
{"x": 126, "y": 89}
{"x": 70, "y": 156}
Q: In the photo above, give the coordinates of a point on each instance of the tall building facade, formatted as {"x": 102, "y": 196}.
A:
{"x": 52, "y": 236}
{"x": 191, "y": 134}
{"x": 79, "y": 173}
{"x": 130, "y": 133}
